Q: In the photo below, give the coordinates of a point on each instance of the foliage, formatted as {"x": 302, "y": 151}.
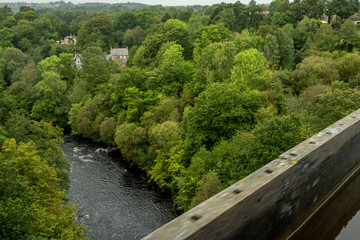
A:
{"x": 249, "y": 66}
{"x": 315, "y": 70}
{"x": 207, "y": 96}
{"x": 220, "y": 111}
{"x": 335, "y": 103}
{"x": 31, "y": 205}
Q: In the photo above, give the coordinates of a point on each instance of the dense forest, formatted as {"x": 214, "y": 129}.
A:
{"x": 208, "y": 95}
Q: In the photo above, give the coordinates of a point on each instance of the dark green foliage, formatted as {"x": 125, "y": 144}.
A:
{"x": 335, "y": 103}
{"x": 31, "y": 205}
{"x": 207, "y": 96}
{"x": 220, "y": 111}
{"x": 278, "y": 135}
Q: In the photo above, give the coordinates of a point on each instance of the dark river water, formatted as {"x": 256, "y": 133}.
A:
{"x": 115, "y": 200}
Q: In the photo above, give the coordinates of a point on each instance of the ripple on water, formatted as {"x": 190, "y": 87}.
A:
{"x": 114, "y": 202}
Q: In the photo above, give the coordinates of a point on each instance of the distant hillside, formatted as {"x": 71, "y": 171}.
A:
{"x": 61, "y": 5}
{"x": 15, "y": 6}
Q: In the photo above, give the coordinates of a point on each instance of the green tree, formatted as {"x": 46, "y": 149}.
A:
{"x": 313, "y": 8}
{"x": 137, "y": 102}
{"x": 348, "y": 36}
{"x": 216, "y": 61}
{"x": 209, "y": 34}
{"x": 335, "y": 103}
{"x": 126, "y": 20}
{"x": 5, "y": 12}
{"x": 50, "y": 102}
{"x": 220, "y": 111}
{"x": 134, "y": 37}
{"x": 174, "y": 30}
{"x": 131, "y": 140}
{"x": 271, "y": 50}
{"x": 107, "y": 130}
{"x": 6, "y": 38}
{"x": 13, "y": 60}
{"x": 209, "y": 185}
{"x": 95, "y": 68}
{"x": 249, "y": 67}
{"x": 348, "y": 67}
{"x": 315, "y": 70}
{"x": 277, "y": 135}
{"x": 325, "y": 39}
{"x": 172, "y": 72}
{"x": 342, "y": 8}
{"x": 31, "y": 205}
{"x": 286, "y": 48}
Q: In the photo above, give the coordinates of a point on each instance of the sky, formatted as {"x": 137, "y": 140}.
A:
{"x": 152, "y": 2}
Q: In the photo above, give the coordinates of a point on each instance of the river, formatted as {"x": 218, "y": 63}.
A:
{"x": 115, "y": 200}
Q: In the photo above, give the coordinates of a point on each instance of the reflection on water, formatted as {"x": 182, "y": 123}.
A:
{"x": 115, "y": 201}
{"x": 339, "y": 218}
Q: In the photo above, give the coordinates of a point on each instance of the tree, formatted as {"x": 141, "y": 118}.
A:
{"x": 216, "y": 61}
{"x": 174, "y": 30}
{"x": 50, "y": 64}
{"x": 249, "y": 67}
{"x": 47, "y": 139}
{"x": 315, "y": 70}
{"x": 148, "y": 50}
{"x": 143, "y": 19}
{"x": 220, "y": 111}
{"x": 348, "y": 36}
{"x": 95, "y": 69}
{"x": 67, "y": 68}
{"x": 271, "y": 50}
{"x": 247, "y": 40}
{"x": 335, "y": 103}
{"x": 342, "y": 8}
{"x": 85, "y": 116}
{"x": 50, "y": 103}
{"x": 131, "y": 140}
{"x": 209, "y": 34}
{"x": 31, "y": 205}
{"x": 26, "y": 13}
{"x": 5, "y": 12}
{"x": 172, "y": 73}
{"x": 14, "y": 60}
{"x": 277, "y": 135}
{"x": 134, "y": 37}
{"x": 209, "y": 185}
{"x": 6, "y": 38}
{"x": 313, "y": 8}
{"x": 286, "y": 48}
{"x": 228, "y": 17}
{"x": 348, "y": 67}
{"x": 107, "y": 130}
{"x": 324, "y": 39}
{"x": 126, "y": 20}
{"x": 137, "y": 102}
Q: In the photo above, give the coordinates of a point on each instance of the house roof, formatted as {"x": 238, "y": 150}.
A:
{"x": 354, "y": 17}
{"x": 119, "y": 52}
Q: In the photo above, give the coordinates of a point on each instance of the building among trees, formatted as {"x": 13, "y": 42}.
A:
{"x": 119, "y": 54}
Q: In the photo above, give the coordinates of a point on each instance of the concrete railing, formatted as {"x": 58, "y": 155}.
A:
{"x": 272, "y": 200}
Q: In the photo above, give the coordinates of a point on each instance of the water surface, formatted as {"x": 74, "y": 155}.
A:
{"x": 115, "y": 200}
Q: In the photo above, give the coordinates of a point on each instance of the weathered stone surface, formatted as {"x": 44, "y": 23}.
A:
{"x": 273, "y": 199}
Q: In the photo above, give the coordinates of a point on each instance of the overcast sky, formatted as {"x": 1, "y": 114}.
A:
{"x": 151, "y": 2}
